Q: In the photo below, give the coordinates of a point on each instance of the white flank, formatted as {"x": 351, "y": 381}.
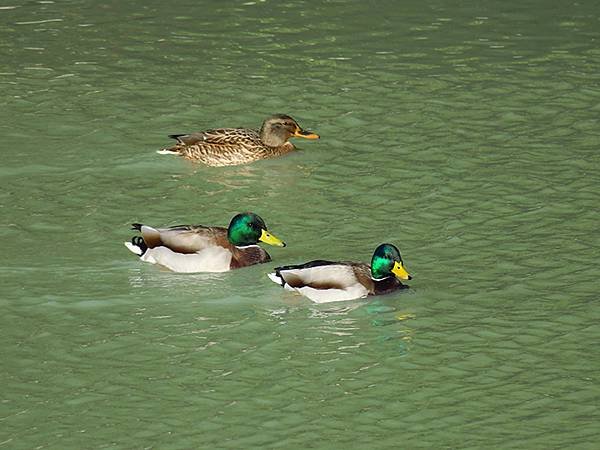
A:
{"x": 342, "y": 274}
{"x": 133, "y": 248}
{"x": 334, "y": 295}
{"x": 213, "y": 259}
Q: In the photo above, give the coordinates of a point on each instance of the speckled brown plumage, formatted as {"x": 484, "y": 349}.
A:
{"x": 234, "y": 146}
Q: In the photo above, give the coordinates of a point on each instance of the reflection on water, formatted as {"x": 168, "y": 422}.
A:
{"x": 339, "y": 328}
{"x": 164, "y": 279}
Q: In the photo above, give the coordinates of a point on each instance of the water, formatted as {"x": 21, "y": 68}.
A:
{"x": 464, "y": 132}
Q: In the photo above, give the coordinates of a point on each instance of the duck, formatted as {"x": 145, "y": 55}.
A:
{"x": 199, "y": 248}
{"x": 331, "y": 281}
{"x": 234, "y": 146}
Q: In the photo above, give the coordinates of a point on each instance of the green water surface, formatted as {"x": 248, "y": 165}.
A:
{"x": 465, "y": 132}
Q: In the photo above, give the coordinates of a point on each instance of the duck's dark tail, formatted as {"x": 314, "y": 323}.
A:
{"x": 276, "y": 277}
{"x": 175, "y": 149}
{"x": 137, "y": 245}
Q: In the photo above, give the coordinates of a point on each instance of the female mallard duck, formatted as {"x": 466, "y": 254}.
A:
{"x": 328, "y": 281}
{"x": 232, "y": 146}
{"x": 196, "y": 248}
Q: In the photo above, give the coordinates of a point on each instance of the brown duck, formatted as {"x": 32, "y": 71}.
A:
{"x": 233, "y": 146}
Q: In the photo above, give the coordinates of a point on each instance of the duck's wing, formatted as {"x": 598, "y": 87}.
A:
{"x": 319, "y": 274}
{"x": 322, "y": 281}
{"x": 184, "y": 238}
{"x": 219, "y": 136}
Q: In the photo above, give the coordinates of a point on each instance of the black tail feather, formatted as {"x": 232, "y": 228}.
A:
{"x": 136, "y": 226}
{"x": 308, "y": 265}
{"x": 138, "y": 241}
{"x": 176, "y": 136}
{"x": 278, "y": 273}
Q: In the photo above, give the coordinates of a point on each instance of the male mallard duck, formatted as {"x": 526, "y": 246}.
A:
{"x": 196, "y": 248}
{"x": 232, "y": 146}
{"x": 328, "y": 281}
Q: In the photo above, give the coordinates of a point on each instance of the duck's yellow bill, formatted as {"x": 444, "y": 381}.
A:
{"x": 400, "y": 271}
{"x": 306, "y": 134}
{"x": 270, "y": 239}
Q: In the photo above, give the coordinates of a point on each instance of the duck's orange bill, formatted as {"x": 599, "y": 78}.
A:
{"x": 306, "y": 134}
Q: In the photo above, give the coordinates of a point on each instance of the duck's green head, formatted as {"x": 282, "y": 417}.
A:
{"x": 387, "y": 262}
{"x": 248, "y": 229}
